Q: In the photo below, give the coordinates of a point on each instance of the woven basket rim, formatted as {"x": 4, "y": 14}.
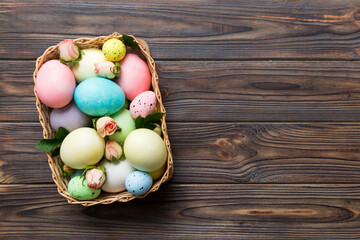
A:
{"x": 105, "y": 198}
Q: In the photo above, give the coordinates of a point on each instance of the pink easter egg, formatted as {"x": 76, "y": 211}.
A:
{"x": 135, "y": 76}
{"x": 143, "y": 104}
{"x": 55, "y": 84}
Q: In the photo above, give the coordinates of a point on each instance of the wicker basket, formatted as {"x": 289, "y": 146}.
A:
{"x": 54, "y": 162}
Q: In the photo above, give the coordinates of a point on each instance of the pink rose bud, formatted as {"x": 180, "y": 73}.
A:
{"x": 95, "y": 178}
{"x": 106, "y": 126}
{"x": 107, "y": 69}
{"x": 68, "y": 50}
{"x": 113, "y": 149}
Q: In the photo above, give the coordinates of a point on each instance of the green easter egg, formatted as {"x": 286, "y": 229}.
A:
{"x": 124, "y": 121}
{"x": 79, "y": 190}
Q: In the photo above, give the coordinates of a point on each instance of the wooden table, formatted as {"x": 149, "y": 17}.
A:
{"x": 263, "y": 102}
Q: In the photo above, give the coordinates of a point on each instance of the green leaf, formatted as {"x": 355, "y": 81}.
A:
{"x": 61, "y": 133}
{"x": 129, "y": 41}
{"x": 153, "y": 117}
{"x": 116, "y": 69}
{"x": 115, "y": 160}
{"x": 47, "y": 145}
{"x": 55, "y": 152}
{"x": 139, "y": 122}
{"x": 94, "y": 120}
{"x": 148, "y": 121}
{"x": 65, "y": 174}
{"x": 150, "y": 126}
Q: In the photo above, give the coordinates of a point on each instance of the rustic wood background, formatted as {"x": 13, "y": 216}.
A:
{"x": 263, "y": 102}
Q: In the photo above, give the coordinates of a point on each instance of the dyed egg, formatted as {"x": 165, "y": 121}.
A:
{"x": 55, "y": 84}
{"x": 138, "y": 182}
{"x": 143, "y": 104}
{"x": 69, "y": 117}
{"x": 114, "y": 50}
{"x": 86, "y": 67}
{"x": 116, "y": 174}
{"x": 77, "y": 173}
{"x": 124, "y": 121}
{"x": 157, "y": 129}
{"x": 145, "y": 150}
{"x": 81, "y": 148}
{"x": 157, "y": 173}
{"x": 99, "y": 96}
{"x": 135, "y": 76}
{"x": 79, "y": 190}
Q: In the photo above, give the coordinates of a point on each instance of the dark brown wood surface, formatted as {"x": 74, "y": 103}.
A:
{"x": 263, "y": 112}
{"x": 190, "y": 211}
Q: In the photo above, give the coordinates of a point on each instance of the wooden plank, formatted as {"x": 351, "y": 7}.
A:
{"x": 249, "y": 29}
{"x": 179, "y": 211}
{"x": 219, "y": 153}
{"x": 224, "y": 91}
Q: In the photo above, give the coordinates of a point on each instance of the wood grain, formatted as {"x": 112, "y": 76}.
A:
{"x": 224, "y": 91}
{"x": 219, "y": 153}
{"x": 249, "y": 29}
{"x": 188, "y": 212}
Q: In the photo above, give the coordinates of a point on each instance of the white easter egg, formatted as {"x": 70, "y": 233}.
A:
{"x": 116, "y": 174}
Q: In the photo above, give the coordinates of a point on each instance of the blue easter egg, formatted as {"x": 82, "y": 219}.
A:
{"x": 77, "y": 173}
{"x": 99, "y": 96}
{"x": 138, "y": 182}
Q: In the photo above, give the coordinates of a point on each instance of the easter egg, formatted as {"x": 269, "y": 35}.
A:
{"x": 79, "y": 190}
{"x": 157, "y": 129}
{"x": 81, "y": 148}
{"x": 116, "y": 173}
{"x": 99, "y": 96}
{"x": 135, "y": 76}
{"x": 138, "y": 182}
{"x": 69, "y": 117}
{"x": 143, "y": 104}
{"x": 157, "y": 173}
{"x": 114, "y": 50}
{"x": 55, "y": 84}
{"x": 145, "y": 150}
{"x": 86, "y": 67}
{"x": 124, "y": 121}
{"x": 77, "y": 173}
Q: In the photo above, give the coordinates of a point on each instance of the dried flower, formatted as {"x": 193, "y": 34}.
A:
{"x": 95, "y": 177}
{"x": 68, "y": 169}
{"x": 107, "y": 69}
{"x": 113, "y": 150}
{"x": 106, "y": 126}
{"x": 69, "y": 52}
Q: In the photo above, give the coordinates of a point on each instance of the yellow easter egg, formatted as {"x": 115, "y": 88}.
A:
{"x": 114, "y": 50}
{"x": 86, "y": 67}
{"x": 157, "y": 173}
{"x": 145, "y": 150}
{"x": 81, "y": 148}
